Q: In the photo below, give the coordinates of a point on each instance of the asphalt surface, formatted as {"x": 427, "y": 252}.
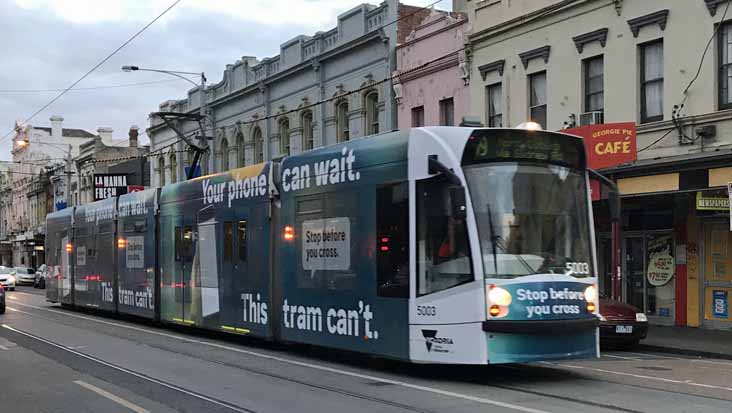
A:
{"x": 56, "y": 360}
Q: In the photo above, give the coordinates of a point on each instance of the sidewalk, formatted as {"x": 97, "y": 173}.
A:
{"x": 689, "y": 341}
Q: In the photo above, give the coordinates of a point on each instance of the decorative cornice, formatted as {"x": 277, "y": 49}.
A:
{"x": 491, "y": 67}
{"x": 445, "y": 63}
{"x": 660, "y": 17}
{"x": 713, "y": 4}
{"x": 538, "y": 53}
{"x": 595, "y": 36}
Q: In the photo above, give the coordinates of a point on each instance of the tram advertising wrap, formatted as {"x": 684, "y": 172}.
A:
{"x": 430, "y": 245}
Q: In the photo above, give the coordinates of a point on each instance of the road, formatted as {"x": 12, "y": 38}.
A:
{"x": 56, "y": 360}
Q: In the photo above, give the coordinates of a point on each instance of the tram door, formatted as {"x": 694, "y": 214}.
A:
{"x": 232, "y": 275}
{"x": 635, "y": 270}
{"x": 182, "y": 269}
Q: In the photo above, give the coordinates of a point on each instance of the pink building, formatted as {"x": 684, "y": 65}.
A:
{"x": 437, "y": 92}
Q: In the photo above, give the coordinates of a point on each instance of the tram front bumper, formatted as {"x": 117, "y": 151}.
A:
{"x": 527, "y": 341}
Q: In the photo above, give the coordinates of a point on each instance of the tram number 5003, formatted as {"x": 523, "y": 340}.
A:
{"x": 426, "y": 310}
{"x": 577, "y": 268}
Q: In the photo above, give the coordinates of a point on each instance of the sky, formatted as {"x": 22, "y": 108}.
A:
{"x": 49, "y": 44}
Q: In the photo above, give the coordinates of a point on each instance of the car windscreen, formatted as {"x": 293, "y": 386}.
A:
{"x": 5, "y": 270}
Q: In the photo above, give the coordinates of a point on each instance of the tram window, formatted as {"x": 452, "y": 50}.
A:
{"x": 328, "y": 266}
{"x": 443, "y": 252}
{"x": 242, "y": 239}
{"x": 228, "y": 241}
{"x": 392, "y": 240}
{"x": 178, "y": 243}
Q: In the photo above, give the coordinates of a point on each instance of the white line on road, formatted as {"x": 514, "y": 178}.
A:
{"x": 3, "y": 348}
{"x": 620, "y": 357}
{"x": 638, "y": 376}
{"x": 433, "y": 390}
{"x": 112, "y": 397}
{"x": 124, "y": 370}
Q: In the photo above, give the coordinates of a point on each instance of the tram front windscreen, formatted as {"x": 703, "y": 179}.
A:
{"x": 532, "y": 219}
{"x": 529, "y": 195}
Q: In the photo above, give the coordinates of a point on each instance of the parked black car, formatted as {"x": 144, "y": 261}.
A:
{"x": 2, "y": 299}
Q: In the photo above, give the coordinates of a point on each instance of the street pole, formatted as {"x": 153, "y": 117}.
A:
{"x": 68, "y": 178}
{"x": 203, "y": 111}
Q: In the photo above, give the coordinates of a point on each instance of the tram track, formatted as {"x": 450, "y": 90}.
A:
{"x": 522, "y": 370}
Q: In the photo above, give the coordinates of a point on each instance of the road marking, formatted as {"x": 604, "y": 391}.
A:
{"x": 3, "y": 348}
{"x": 132, "y": 406}
{"x": 343, "y": 372}
{"x": 638, "y": 376}
{"x": 621, "y": 357}
{"x": 128, "y": 371}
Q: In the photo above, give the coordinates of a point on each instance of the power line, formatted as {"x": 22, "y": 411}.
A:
{"x": 657, "y": 140}
{"x": 128, "y": 41}
{"x": 88, "y": 88}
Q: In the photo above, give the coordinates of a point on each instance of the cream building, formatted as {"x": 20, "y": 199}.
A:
{"x": 561, "y": 62}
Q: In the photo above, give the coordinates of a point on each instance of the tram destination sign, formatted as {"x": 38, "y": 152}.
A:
{"x": 511, "y": 145}
{"x": 109, "y": 185}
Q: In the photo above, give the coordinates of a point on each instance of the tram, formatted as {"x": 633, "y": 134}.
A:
{"x": 430, "y": 245}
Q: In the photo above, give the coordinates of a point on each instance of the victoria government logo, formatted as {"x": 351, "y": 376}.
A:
{"x": 436, "y": 343}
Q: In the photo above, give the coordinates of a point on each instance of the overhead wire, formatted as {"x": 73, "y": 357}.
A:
{"x": 95, "y": 67}
{"x": 159, "y": 151}
{"x": 78, "y": 89}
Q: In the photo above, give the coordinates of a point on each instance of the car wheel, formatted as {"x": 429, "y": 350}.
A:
{"x": 11, "y": 289}
{"x": 2, "y": 310}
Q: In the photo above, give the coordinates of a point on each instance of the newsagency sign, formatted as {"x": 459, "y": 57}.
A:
{"x": 109, "y": 186}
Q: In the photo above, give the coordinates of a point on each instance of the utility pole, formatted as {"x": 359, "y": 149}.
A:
{"x": 68, "y": 178}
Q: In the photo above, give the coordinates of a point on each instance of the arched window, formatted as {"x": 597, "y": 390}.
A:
{"x": 342, "y": 132}
{"x": 224, "y": 155}
{"x": 284, "y": 131}
{"x": 306, "y": 120}
{"x": 258, "y": 145}
{"x": 371, "y": 104}
{"x": 173, "y": 168}
{"x": 161, "y": 171}
{"x": 240, "y": 150}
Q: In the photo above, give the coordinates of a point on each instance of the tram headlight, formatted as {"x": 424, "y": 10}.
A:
{"x": 591, "y": 294}
{"x": 499, "y": 296}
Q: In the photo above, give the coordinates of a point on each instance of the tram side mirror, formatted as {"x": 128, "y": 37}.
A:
{"x": 457, "y": 202}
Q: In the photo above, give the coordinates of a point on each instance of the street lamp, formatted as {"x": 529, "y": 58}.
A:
{"x": 202, "y": 88}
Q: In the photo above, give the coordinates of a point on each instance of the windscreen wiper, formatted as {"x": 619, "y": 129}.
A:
{"x": 496, "y": 241}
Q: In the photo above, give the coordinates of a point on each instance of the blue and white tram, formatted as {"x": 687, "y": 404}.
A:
{"x": 433, "y": 245}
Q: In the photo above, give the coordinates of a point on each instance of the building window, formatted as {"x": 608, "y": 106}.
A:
{"x": 342, "y": 131}
{"x": 173, "y": 168}
{"x": 240, "y": 149}
{"x": 494, "y": 115}
{"x": 224, "y": 156}
{"x": 306, "y": 121}
{"x": 594, "y": 84}
{"x": 651, "y": 81}
{"x": 284, "y": 130}
{"x": 418, "y": 116}
{"x": 161, "y": 171}
{"x": 371, "y": 103}
{"x": 725, "y": 66}
{"x": 537, "y": 98}
{"x": 258, "y": 145}
{"x": 447, "y": 112}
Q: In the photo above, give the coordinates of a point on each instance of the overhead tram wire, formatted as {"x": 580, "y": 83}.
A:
{"x": 305, "y": 107}
{"x": 95, "y": 67}
{"x": 78, "y": 89}
{"x": 159, "y": 151}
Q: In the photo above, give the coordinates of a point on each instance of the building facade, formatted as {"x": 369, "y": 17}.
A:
{"x": 37, "y": 176}
{"x": 266, "y": 109}
{"x": 563, "y": 63}
{"x": 101, "y": 160}
{"x": 437, "y": 93}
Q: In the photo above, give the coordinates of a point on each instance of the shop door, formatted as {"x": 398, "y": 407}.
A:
{"x": 634, "y": 263}
{"x": 717, "y": 277}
